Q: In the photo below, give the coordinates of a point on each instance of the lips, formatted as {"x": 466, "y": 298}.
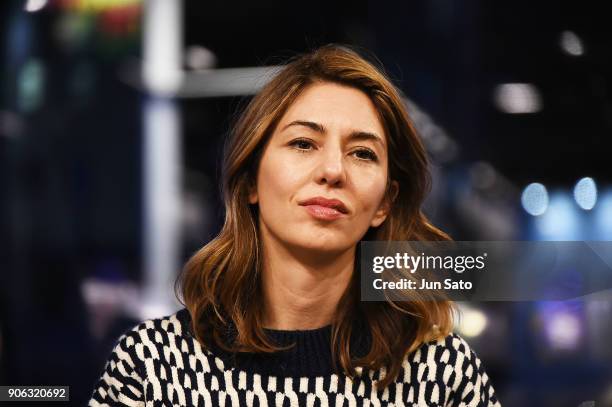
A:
{"x": 326, "y": 203}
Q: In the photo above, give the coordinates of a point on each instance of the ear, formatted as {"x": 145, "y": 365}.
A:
{"x": 385, "y": 205}
{"x": 253, "y": 197}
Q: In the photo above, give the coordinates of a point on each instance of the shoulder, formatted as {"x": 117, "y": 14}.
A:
{"x": 453, "y": 364}
{"x": 449, "y": 359}
{"x": 148, "y": 337}
{"x": 124, "y": 374}
{"x": 174, "y": 324}
{"x": 445, "y": 348}
{"x": 149, "y": 329}
{"x": 455, "y": 344}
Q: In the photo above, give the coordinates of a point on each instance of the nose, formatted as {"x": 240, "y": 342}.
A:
{"x": 331, "y": 169}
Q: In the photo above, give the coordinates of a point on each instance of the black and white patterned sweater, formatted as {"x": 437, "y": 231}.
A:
{"x": 160, "y": 363}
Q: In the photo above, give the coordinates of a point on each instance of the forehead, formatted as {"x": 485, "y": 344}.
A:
{"x": 335, "y": 106}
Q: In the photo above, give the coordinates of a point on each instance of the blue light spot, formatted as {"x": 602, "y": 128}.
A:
{"x": 585, "y": 193}
{"x": 535, "y": 199}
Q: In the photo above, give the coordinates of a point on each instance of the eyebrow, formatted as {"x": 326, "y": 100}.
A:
{"x": 319, "y": 128}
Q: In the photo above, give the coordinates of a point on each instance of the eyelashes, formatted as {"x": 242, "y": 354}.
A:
{"x": 365, "y": 152}
{"x": 302, "y": 142}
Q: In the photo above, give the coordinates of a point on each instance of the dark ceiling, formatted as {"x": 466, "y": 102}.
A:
{"x": 448, "y": 56}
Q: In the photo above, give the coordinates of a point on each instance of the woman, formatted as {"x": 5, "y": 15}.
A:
{"x": 325, "y": 156}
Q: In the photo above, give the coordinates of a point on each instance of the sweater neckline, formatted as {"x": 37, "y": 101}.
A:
{"x": 310, "y": 356}
{"x": 296, "y": 334}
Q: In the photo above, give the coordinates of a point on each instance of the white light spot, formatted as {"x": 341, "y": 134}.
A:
{"x": 571, "y": 44}
{"x": 33, "y": 6}
{"x": 162, "y": 47}
{"x": 585, "y": 193}
{"x": 563, "y": 330}
{"x": 535, "y": 199}
{"x": 199, "y": 58}
{"x": 517, "y": 98}
{"x": 474, "y": 322}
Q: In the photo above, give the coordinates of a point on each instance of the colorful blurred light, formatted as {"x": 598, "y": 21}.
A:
{"x": 30, "y": 84}
{"x": 96, "y": 5}
{"x": 115, "y": 17}
{"x": 563, "y": 330}
{"x": 563, "y": 323}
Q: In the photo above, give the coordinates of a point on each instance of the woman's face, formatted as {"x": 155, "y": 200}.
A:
{"x": 330, "y": 144}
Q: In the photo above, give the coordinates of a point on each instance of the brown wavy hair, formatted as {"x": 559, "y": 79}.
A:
{"x": 221, "y": 282}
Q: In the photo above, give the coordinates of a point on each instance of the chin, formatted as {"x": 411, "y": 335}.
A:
{"x": 323, "y": 245}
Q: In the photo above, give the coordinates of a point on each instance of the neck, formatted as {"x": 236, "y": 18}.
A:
{"x": 301, "y": 288}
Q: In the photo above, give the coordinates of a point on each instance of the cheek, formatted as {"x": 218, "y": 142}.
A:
{"x": 371, "y": 192}
{"x": 274, "y": 184}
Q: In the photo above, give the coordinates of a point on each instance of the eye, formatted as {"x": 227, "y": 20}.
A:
{"x": 301, "y": 144}
{"x": 366, "y": 155}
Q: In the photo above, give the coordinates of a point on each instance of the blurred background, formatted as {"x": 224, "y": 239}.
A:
{"x": 112, "y": 117}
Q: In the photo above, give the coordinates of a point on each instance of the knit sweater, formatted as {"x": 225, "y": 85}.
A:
{"x": 160, "y": 363}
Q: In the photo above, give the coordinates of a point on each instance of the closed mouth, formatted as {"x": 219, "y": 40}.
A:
{"x": 326, "y": 202}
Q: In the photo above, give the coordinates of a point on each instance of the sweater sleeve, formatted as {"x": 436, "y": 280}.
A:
{"x": 121, "y": 384}
{"x": 472, "y": 386}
